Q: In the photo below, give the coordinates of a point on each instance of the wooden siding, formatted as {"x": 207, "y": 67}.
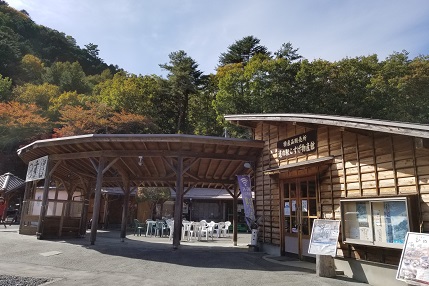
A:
{"x": 365, "y": 166}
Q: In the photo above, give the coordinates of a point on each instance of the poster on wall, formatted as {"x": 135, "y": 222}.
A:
{"x": 287, "y": 209}
{"x": 414, "y": 265}
{"x": 324, "y": 237}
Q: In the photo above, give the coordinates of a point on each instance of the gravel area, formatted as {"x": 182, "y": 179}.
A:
{"x": 9, "y": 280}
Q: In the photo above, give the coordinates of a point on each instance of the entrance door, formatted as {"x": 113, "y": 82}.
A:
{"x": 299, "y": 209}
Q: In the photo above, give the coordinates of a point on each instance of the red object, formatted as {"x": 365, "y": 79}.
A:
{"x": 2, "y": 209}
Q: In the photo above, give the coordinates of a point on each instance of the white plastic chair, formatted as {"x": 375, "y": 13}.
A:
{"x": 195, "y": 230}
{"x": 220, "y": 229}
{"x": 186, "y": 230}
{"x": 227, "y": 225}
{"x": 150, "y": 227}
{"x": 170, "y": 225}
{"x": 206, "y": 230}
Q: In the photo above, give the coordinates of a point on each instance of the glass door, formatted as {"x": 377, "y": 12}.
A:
{"x": 299, "y": 212}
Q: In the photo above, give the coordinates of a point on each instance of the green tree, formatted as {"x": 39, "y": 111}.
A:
{"x": 313, "y": 87}
{"x": 32, "y": 69}
{"x": 131, "y": 93}
{"x": 68, "y": 76}
{"x": 288, "y": 52}
{"x": 5, "y": 88}
{"x": 154, "y": 196}
{"x": 202, "y": 115}
{"x": 9, "y": 51}
{"x": 40, "y": 95}
{"x": 96, "y": 79}
{"x": 183, "y": 83}
{"x": 68, "y": 98}
{"x": 386, "y": 87}
{"x": 242, "y": 51}
{"x": 92, "y": 50}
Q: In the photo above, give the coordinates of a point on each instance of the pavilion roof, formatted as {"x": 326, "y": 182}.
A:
{"x": 146, "y": 159}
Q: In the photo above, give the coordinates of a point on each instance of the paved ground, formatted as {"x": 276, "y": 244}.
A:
{"x": 143, "y": 260}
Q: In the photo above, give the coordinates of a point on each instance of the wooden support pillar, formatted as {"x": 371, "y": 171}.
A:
{"x": 106, "y": 210}
{"x": 235, "y": 215}
{"x": 84, "y": 220}
{"x": 44, "y": 207}
{"x": 24, "y": 204}
{"x": 325, "y": 266}
{"x": 177, "y": 234}
{"x": 97, "y": 201}
{"x": 125, "y": 209}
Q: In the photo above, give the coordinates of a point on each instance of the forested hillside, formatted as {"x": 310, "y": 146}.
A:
{"x": 50, "y": 87}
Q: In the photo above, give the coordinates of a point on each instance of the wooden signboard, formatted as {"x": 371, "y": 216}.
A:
{"x": 37, "y": 169}
{"x": 324, "y": 237}
{"x": 414, "y": 265}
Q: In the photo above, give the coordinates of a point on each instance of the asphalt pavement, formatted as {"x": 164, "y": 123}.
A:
{"x": 140, "y": 260}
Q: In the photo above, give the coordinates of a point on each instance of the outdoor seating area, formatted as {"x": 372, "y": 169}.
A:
{"x": 203, "y": 230}
{"x": 191, "y": 230}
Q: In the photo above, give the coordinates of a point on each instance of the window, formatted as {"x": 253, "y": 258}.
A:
{"x": 379, "y": 222}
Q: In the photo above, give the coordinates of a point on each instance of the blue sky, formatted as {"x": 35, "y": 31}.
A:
{"x": 138, "y": 35}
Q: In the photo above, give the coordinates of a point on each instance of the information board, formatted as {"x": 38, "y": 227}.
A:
{"x": 324, "y": 237}
{"x": 37, "y": 169}
{"x": 414, "y": 265}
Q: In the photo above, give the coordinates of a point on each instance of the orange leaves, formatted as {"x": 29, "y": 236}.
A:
{"x": 99, "y": 118}
{"x": 20, "y": 123}
{"x": 15, "y": 114}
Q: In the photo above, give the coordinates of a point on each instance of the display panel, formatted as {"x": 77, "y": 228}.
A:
{"x": 379, "y": 222}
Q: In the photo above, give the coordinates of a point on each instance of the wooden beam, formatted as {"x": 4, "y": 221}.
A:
{"x": 151, "y": 153}
{"x": 110, "y": 164}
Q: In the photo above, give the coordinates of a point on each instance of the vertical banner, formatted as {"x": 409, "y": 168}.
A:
{"x": 246, "y": 193}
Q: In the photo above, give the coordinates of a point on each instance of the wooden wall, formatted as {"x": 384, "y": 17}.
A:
{"x": 365, "y": 165}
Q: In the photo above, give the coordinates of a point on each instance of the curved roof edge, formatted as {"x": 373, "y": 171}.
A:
{"x": 394, "y": 127}
{"x": 136, "y": 138}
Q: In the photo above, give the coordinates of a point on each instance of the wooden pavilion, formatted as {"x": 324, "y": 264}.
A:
{"x": 87, "y": 163}
{"x": 11, "y": 187}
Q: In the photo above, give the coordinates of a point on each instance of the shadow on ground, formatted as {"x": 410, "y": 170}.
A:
{"x": 208, "y": 254}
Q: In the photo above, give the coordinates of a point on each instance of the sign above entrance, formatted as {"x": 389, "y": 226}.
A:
{"x": 37, "y": 169}
{"x": 299, "y": 144}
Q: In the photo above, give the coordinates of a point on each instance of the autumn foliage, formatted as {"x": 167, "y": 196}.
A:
{"x": 100, "y": 119}
{"x": 20, "y": 123}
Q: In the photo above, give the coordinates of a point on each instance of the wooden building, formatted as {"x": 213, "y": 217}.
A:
{"x": 372, "y": 175}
